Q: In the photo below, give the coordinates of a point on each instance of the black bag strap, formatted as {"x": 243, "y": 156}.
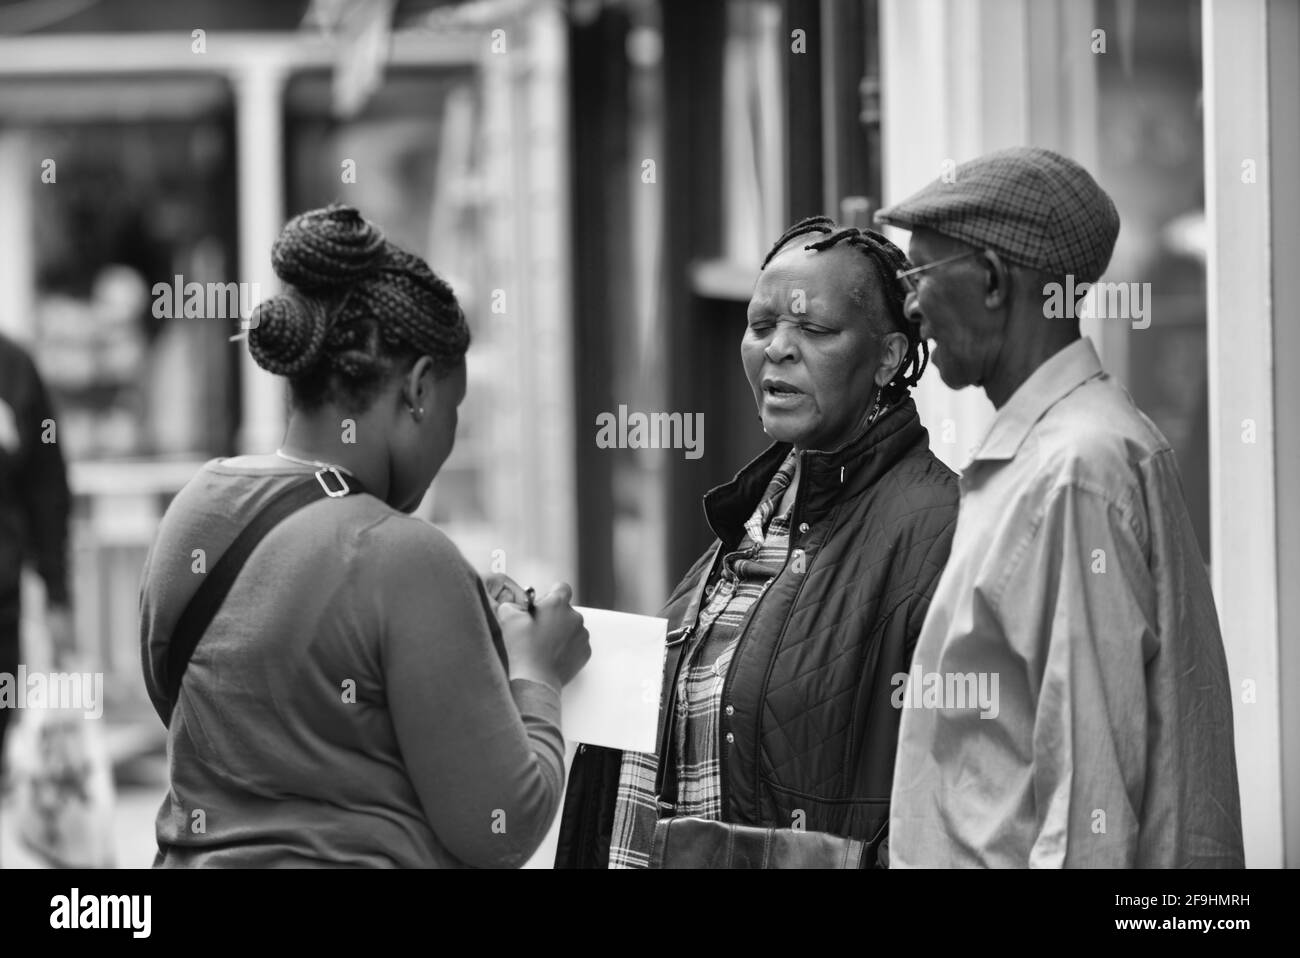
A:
{"x": 205, "y": 603}
{"x": 666, "y": 772}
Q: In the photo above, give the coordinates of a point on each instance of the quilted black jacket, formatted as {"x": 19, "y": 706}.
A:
{"x": 810, "y": 683}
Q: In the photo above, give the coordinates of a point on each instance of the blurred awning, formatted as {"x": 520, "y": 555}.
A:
{"x": 53, "y": 100}
{"x": 22, "y": 17}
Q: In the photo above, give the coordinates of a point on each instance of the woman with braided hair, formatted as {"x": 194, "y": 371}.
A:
{"x": 354, "y": 700}
{"x": 780, "y": 709}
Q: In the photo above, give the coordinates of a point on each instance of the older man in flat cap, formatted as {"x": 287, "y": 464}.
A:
{"x": 1075, "y": 581}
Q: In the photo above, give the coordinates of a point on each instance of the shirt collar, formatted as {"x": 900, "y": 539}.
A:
{"x": 1047, "y": 385}
{"x": 757, "y": 523}
{"x": 828, "y": 478}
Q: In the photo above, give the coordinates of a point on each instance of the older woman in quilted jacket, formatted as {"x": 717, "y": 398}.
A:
{"x": 793, "y": 634}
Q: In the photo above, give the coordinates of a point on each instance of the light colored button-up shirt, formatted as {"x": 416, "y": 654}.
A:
{"x": 1069, "y": 702}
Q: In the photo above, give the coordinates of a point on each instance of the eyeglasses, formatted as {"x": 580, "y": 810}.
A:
{"x": 908, "y": 276}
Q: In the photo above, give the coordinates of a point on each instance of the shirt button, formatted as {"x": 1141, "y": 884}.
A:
{"x": 803, "y": 527}
{"x": 730, "y": 738}
{"x": 730, "y": 710}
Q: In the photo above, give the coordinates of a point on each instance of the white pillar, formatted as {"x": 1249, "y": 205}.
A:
{"x": 1284, "y": 206}
{"x": 259, "y": 88}
{"x": 1239, "y": 342}
{"x": 546, "y": 259}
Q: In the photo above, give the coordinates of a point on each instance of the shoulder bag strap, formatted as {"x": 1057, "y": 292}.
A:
{"x": 205, "y": 603}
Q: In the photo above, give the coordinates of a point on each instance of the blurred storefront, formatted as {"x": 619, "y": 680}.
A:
{"x": 146, "y": 143}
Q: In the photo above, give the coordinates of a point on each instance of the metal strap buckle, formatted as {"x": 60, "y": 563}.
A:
{"x": 343, "y": 489}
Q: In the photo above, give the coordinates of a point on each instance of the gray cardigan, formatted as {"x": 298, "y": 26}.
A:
{"x": 347, "y": 706}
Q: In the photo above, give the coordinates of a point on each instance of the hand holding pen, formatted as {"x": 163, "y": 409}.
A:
{"x": 502, "y": 588}
{"x": 545, "y": 641}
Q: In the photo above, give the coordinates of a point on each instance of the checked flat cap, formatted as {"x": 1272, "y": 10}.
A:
{"x": 1029, "y": 205}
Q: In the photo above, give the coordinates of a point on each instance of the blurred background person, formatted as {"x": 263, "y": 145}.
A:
{"x": 34, "y": 504}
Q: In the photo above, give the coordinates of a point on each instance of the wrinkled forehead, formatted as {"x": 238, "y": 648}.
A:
{"x": 835, "y": 278}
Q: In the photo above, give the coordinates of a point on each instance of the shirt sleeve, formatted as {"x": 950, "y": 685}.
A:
{"x": 484, "y": 753}
{"x": 1083, "y": 618}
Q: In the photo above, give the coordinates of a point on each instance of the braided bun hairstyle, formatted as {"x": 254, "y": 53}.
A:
{"x": 887, "y": 259}
{"x": 355, "y": 310}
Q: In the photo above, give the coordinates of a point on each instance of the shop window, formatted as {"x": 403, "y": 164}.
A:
{"x": 1151, "y": 121}
{"x": 122, "y": 209}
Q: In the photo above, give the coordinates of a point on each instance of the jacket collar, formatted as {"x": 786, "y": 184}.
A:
{"x": 1051, "y": 382}
{"x": 825, "y": 478}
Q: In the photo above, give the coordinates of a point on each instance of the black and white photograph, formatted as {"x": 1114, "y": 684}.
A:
{"x": 649, "y": 434}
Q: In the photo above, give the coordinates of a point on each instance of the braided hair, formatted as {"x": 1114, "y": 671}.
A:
{"x": 354, "y": 309}
{"x": 887, "y": 259}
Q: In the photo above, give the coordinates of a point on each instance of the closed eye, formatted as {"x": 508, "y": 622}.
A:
{"x": 761, "y": 326}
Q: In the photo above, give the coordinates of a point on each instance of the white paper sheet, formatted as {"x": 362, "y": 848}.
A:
{"x": 614, "y": 700}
